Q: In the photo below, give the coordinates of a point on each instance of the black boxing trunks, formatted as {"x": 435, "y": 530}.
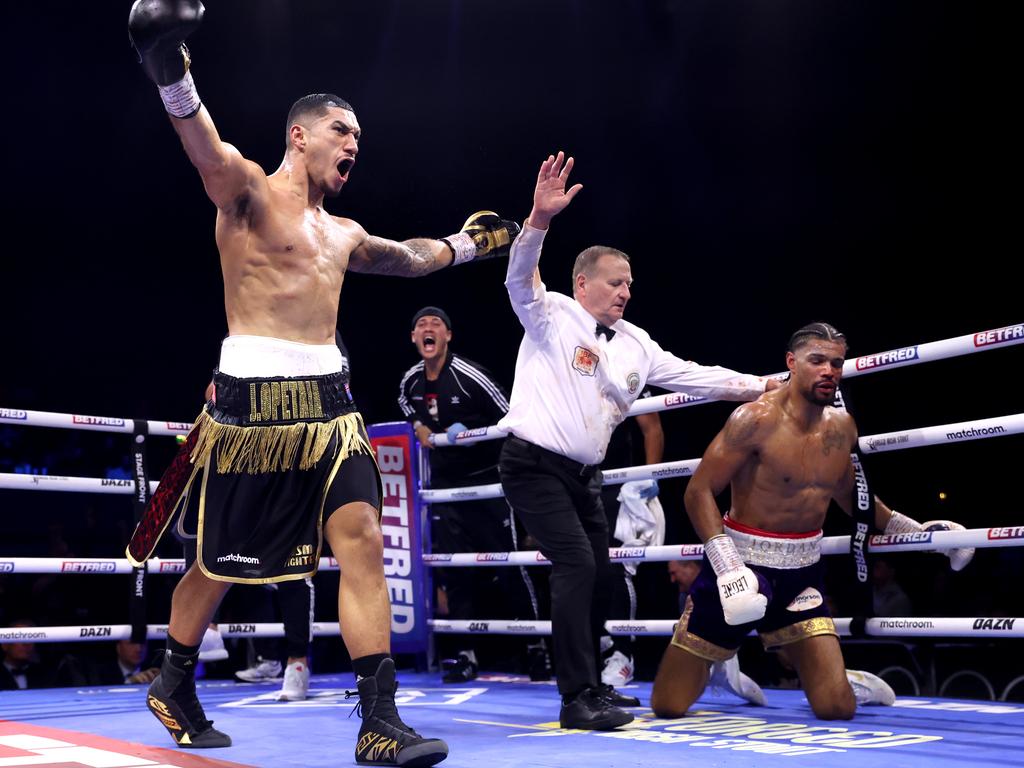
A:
{"x": 269, "y": 456}
{"x": 791, "y": 563}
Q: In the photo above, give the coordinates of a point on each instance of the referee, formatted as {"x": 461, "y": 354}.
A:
{"x": 580, "y": 367}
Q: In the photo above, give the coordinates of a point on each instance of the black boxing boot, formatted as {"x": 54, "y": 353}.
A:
{"x": 383, "y": 738}
{"x": 172, "y": 699}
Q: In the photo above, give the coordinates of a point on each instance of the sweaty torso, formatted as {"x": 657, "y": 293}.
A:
{"x": 283, "y": 263}
{"x": 788, "y": 482}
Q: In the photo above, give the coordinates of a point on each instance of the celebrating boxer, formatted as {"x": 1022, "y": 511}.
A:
{"x": 282, "y": 457}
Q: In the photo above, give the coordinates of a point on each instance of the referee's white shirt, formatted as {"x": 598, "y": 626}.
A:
{"x": 573, "y": 388}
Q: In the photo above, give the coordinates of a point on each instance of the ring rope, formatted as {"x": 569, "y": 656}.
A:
{"x": 896, "y": 358}
{"x": 109, "y": 632}
{"x": 887, "y": 441}
{"x": 967, "y": 344}
{"x": 976, "y": 627}
{"x": 89, "y": 423}
{"x": 924, "y": 541}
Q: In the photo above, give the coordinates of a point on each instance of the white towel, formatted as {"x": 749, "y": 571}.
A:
{"x": 641, "y": 522}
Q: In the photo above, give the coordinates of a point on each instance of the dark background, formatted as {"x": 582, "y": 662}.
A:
{"x": 764, "y": 164}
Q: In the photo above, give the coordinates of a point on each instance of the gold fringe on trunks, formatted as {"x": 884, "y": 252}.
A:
{"x": 262, "y": 449}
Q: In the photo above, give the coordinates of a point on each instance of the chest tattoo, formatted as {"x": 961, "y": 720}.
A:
{"x": 833, "y": 438}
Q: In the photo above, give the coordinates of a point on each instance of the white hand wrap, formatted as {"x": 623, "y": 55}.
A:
{"x": 180, "y": 98}
{"x": 463, "y": 247}
{"x": 958, "y": 557}
{"x": 737, "y": 584}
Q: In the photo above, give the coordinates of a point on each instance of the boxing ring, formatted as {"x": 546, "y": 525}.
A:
{"x": 505, "y": 720}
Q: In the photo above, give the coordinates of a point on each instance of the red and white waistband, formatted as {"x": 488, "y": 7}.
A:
{"x": 774, "y": 550}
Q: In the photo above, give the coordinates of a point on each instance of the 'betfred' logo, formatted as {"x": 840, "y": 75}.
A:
{"x": 166, "y": 567}
{"x": 99, "y": 421}
{"x": 83, "y": 566}
{"x": 882, "y": 359}
{"x": 999, "y": 335}
{"x": 621, "y": 552}
{"x": 1014, "y": 532}
{"x": 7, "y": 567}
{"x": 893, "y": 539}
{"x": 439, "y": 558}
{"x": 178, "y": 426}
{"x": 483, "y": 557}
{"x": 13, "y": 415}
{"x": 691, "y": 550}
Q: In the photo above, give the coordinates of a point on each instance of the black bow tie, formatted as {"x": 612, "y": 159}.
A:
{"x": 602, "y": 328}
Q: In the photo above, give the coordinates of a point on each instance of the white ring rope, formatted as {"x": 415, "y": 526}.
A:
{"x": 89, "y": 423}
{"x": 926, "y": 541}
{"x": 108, "y": 566}
{"x": 980, "y": 627}
{"x": 20, "y": 482}
{"x": 967, "y": 344}
{"x": 110, "y": 632}
{"x": 886, "y": 441}
{"x": 895, "y": 358}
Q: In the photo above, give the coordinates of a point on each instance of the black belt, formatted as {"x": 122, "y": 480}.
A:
{"x": 571, "y": 465}
{"x": 280, "y": 400}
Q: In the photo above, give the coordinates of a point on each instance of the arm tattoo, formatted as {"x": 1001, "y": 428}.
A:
{"x": 411, "y": 258}
{"x": 739, "y": 429}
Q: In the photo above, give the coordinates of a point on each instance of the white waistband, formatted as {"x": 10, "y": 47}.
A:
{"x": 248, "y": 357}
{"x": 775, "y": 551}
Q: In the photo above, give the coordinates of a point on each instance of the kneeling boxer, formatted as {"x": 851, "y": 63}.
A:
{"x": 786, "y": 456}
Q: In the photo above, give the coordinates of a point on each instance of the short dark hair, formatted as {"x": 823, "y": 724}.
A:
{"x": 315, "y": 104}
{"x": 588, "y": 259}
{"x": 432, "y": 312}
{"x": 813, "y": 331}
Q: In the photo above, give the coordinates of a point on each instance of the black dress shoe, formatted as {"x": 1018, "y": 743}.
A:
{"x": 459, "y": 670}
{"x": 539, "y": 664}
{"x": 613, "y": 697}
{"x": 589, "y": 711}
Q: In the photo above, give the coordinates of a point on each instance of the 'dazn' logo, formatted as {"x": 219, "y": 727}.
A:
{"x": 585, "y": 361}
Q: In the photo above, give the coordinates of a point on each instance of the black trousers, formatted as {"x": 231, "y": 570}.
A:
{"x": 622, "y": 597}
{"x": 559, "y": 503}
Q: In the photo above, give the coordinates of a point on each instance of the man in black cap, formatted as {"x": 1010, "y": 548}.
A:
{"x": 446, "y": 393}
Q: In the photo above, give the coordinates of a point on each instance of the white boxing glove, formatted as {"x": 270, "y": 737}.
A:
{"x": 958, "y": 557}
{"x": 738, "y": 586}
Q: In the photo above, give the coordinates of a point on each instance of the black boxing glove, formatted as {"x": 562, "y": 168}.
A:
{"x": 484, "y": 236}
{"x": 157, "y": 29}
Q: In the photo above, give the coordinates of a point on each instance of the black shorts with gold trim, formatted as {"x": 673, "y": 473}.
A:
{"x": 273, "y": 456}
{"x": 796, "y": 610}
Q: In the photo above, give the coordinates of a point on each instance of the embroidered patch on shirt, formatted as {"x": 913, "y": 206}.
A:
{"x": 585, "y": 361}
{"x": 633, "y": 382}
{"x": 809, "y": 598}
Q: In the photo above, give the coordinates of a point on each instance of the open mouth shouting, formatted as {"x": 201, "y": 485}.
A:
{"x": 344, "y": 167}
